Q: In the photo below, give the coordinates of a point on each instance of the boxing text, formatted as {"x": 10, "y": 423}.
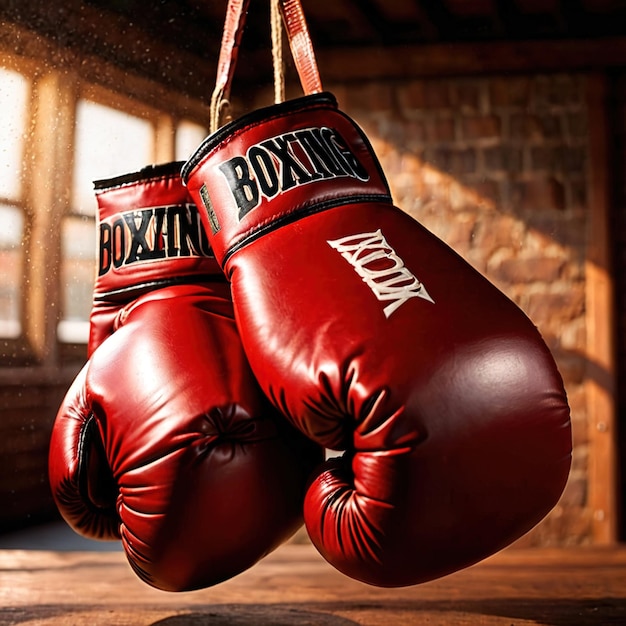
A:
{"x": 287, "y": 161}
{"x": 152, "y": 234}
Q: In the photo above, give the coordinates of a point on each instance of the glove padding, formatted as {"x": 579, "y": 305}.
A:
{"x": 164, "y": 439}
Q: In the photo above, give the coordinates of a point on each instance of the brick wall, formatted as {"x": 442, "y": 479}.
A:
{"x": 26, "y": 415}
{"x": 497, "y": 167}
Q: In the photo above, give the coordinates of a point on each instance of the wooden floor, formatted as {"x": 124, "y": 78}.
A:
{"x": 294, "y": 586}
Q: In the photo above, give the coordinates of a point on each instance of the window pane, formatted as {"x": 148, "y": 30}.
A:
{"x": 13, "y": 100}
{"x": 188, "y": 137}
{"x": 77, "y": 276}
{"x": 109, "y": 142}
{"x": 11, "y": 229}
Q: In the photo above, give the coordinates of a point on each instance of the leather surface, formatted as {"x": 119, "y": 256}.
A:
{"x": 149, "y": 236}
{"x": 376, "y": 338}
{"x": 166, "y": 441}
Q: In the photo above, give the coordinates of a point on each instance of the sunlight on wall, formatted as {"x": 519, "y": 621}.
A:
{"x": 530, "y": 264}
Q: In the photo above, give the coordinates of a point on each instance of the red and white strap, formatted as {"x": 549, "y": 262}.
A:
{"x": 299, "y": 42}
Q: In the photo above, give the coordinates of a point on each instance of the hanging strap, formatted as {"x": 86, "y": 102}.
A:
{"x": 301, "y": 46}
{"x": 277, "y": 51}
{"x": 236, "y": 12}
{"x": 299, "y": 43}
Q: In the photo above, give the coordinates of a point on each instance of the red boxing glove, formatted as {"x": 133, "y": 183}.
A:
{"x": 150, "y": 236}
{"x": 164, "y": 439}
{"x": 374, "y": 337}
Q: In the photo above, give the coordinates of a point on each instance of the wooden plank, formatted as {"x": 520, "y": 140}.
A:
{"x": 436, "y": 60}
{"x": 123, "y": 54}
{"x": 600, "y": 378}
{"x": 76, "y": 31}
{"x": 165, "y": 145}
{"x": 23, "y": 49}
{"x": 295, "y": 586}
{"x": 48, "y": 164}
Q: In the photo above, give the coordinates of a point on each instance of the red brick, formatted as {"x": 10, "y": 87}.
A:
{"x": 430, "y": 94}
{"x": 503, "y": 159}
{"x": 518, "y": 270}
{"x": 381, "y": 97}
{"x": 542, "y": 194}
{"x": 555, "y": 227}
{"x": 564, "y": 306}
{"x": 541, "y": 158}
{"x": 559, "y": 90}
{"x": 535, "y": 127}
{"x": 437, "y": 94}
{"x": 452, "y": 160}
{"x": 460, "y": 230}
{"x": 414, "y": 132}
{"x": 466, "y": 95}
{"x": 499, "y": 231}
{"x": 509, "y": 91}
{"x": 489, "y": 191}
{"x": 481, "y": 127}
{"x": 577, "y": 194}
{"x": 413, "y": 95}
{"x": 441, "y": 129}
{"x": 560, "y": 158}
{"x": 577, "y": 125}
{"x": 369, "y": 97}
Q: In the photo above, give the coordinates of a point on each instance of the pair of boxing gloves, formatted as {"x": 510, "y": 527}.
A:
{"x": 270, "y": 301}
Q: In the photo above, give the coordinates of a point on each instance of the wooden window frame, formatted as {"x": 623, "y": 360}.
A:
{"x": 600, "y": 379}
{"x": 57, "y": 83}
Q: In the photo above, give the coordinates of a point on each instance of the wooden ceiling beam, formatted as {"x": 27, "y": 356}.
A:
{"x": 431, "y": 60}
{"x": 508, "y": 14}
{"x": 380, "y": 29}
{"x": 75, "y": 28}
{"x": 438, "y": 17}
{"x": 84, "y": 33}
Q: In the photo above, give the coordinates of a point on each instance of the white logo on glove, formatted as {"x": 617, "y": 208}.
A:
{"x": 380, "y": 268}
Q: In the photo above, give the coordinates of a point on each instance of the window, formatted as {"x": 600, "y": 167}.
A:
{"x": 108, "y": 142}
{"x": 188, "y": 137}
{"x": 85, "y": 133}
{"x": 13, "y": 105}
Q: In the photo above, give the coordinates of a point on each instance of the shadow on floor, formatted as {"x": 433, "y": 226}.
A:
{"x": 54, "y": 536}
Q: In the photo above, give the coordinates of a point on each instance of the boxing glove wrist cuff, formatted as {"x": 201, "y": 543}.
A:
{"x": 158, "y": 243}
{"x": 277, "y": 165}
